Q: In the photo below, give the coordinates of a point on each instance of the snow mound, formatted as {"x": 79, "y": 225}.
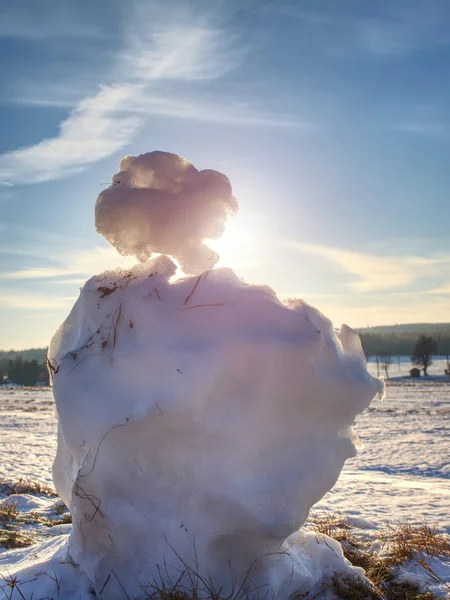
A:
{"x": 160, "y": 203}
{"x": 198, "y": 423}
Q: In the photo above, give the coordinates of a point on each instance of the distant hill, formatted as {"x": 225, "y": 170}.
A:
{"x": 38, "y": 354}
{"x": 8, "y": 359}
{"x": 433, "y": 329}
{"x": 24, "y": 367}
{"x": 398, "y": 340}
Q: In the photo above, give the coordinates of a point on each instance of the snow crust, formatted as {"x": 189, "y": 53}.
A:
{"x": 160, "y": 203}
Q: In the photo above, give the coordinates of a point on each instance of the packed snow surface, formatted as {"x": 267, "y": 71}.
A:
{"x": 198, "y": 414}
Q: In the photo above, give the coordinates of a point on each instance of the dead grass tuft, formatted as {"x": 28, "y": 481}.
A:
{"x": 26, "y": 486}
{"x": 400, "y": 543}
{"x": 333, "y": 525}
{"x": 353, "y": 588}
{"x": 406, "y": 540}
{"x": 14, "y": 538}
{"x": 8, "y": 512}
{"x": 406, "y": 591}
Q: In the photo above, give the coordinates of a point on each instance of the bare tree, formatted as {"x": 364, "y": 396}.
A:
{"x": 386, "y": 361}
{"x": 425, "y": 348}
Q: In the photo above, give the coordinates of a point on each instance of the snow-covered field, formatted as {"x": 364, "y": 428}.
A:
{"x": 401, "y": 472}
{"x": 27, "y": 433}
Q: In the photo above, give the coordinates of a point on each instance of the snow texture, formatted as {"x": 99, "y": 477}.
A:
{"x": 199, "y": 422}
{"x": 160, "y": 203}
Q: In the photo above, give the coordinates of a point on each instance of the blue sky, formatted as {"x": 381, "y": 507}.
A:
{"x": 330, "y": 118}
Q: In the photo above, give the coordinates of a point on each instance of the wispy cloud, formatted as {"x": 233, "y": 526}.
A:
{"x": 443, "y": 290}
{"x": 41, "y": 273}
{"x": 376, "y": 273}
{"x": 94, "y": 129}
{"x": 181, "y": 50}
{"x": 383, "y": 310}
{"x": 216, "y": 111}
{"x": 34, "y": 302}
{"x": 191, "y": 48}
{"x": 91, "y": 132}
{"x": 72, "y": 265}
{"x": 432, "y": 129}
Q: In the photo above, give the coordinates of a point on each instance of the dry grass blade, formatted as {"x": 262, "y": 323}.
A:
{"x": 192, "y": 291}
{"x": 406, "y": 540}
{"x": 203, "y": 305}
{"x": 406, "y": 591}
{"x": 8, "y": 511}
{"x": 333, "y": 525}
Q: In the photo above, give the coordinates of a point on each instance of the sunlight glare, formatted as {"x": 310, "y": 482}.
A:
{"x": 239, "y": 246}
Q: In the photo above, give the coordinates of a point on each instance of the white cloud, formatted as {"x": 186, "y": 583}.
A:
{"x": 91, "y": 132}
{"x": 168, "y": 51}
{"x": 180, "y": 52}
{"x": 376, "y": 272}
{"x": 39, "y": 273}
{"x": 101, "y": 124}
{"x": 383, "y": 311}
{"x": 73, "y": 264}
{"x": 34, "y": 302}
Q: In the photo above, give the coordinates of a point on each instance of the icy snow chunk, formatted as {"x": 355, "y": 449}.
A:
{"x": 25, "y": 502}
{"x": 160, "y": 203}
{"x": 199, "y": 421}
{"x": 43, "y": 571}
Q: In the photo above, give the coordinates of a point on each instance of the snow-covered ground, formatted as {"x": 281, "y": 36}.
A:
{"x": 402, "y": 470}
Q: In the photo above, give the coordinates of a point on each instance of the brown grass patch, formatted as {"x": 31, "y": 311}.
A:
{"x": 406, "y": 540}
{"x": 26, "y": 486}
{"x": 8, "y": 512}
{"x": 14, "y": 538}
{"x": 400, "y": 543}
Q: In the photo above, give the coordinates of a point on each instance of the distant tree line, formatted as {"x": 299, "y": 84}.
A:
{"x": 25, "y": 372}
{"x": 24, "y": 367}
{"x": 385, "y": 347}
{"x": 38, "y": 354}
{"x": 400, "y": 344}
{"x": 415, "y": 329}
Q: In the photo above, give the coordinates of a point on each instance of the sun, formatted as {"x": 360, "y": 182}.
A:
{"x": 239, "y": 246}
